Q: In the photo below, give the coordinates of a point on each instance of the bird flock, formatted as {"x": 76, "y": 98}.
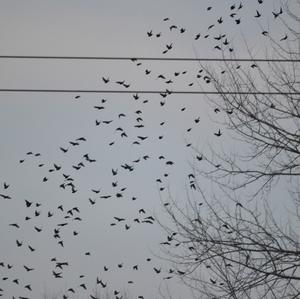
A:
{"x": 62, "y": 223}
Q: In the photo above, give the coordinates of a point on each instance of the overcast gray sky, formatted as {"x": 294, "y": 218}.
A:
{"x": 42, "y": 123}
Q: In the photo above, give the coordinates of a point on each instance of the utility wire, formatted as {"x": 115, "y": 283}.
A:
{"x": 145, "y": 58}
{"x": 163, "y": 92}
{"x": 141, "y": 58}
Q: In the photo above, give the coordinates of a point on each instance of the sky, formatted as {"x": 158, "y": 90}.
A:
{"x": 42, "y": 123}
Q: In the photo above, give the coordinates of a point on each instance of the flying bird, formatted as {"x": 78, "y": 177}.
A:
{"x": 258, "y": 14}
{"x": 149, "y": 33}
{"x": 119, "y": 219}
{"x": 157, "y": 271}
{"x": 64, "y": 150}
{"x": 284, "y": 38}
{"x": 218, "y": 134}
{"x": 5, "y": 196}
{"x": 105, "y": 80}
{"x": 14, "y": 225}
{"x": 277, "y": 14}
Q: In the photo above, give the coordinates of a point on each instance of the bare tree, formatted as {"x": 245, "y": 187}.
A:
{"x": 262, "y": 105}
{"x": 231, "y": 251}
{"x": 222, "y": 245}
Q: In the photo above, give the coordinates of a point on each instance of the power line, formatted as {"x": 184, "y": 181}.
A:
{"x": 79, "y": 91}
{"x": 145, "y": 58}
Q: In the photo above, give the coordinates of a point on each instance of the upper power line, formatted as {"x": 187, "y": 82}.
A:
{"x": 162, "y": 92}
{"x": 186, "y": 59}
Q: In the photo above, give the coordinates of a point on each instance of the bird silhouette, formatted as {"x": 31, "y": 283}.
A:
{"x": 218, "y": 134}
{"x": 156, "y": 270}
{"x": 277, "y": 14}
{"x": 284, "y": 38}
{"x": 28, "y": 287}
{"x": 135, "y": 267}
{"x": 92, "y": 202}
{"x": 57, "y": 274}
{"x": 258, "y": 14}
{"x": 38, "y": 229}
{"x": 105, "y": 80}
{"x": 119, "y": 219}
{"x": 16, "y": 225}
{"x": 73, "y": 143}
{"x": 103, "y": 284}
{"x": 5, "y": 196}
{"x": 213, "y": 281}
{"x": 96, "y": 191}
{"x": 149, "y": 33}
